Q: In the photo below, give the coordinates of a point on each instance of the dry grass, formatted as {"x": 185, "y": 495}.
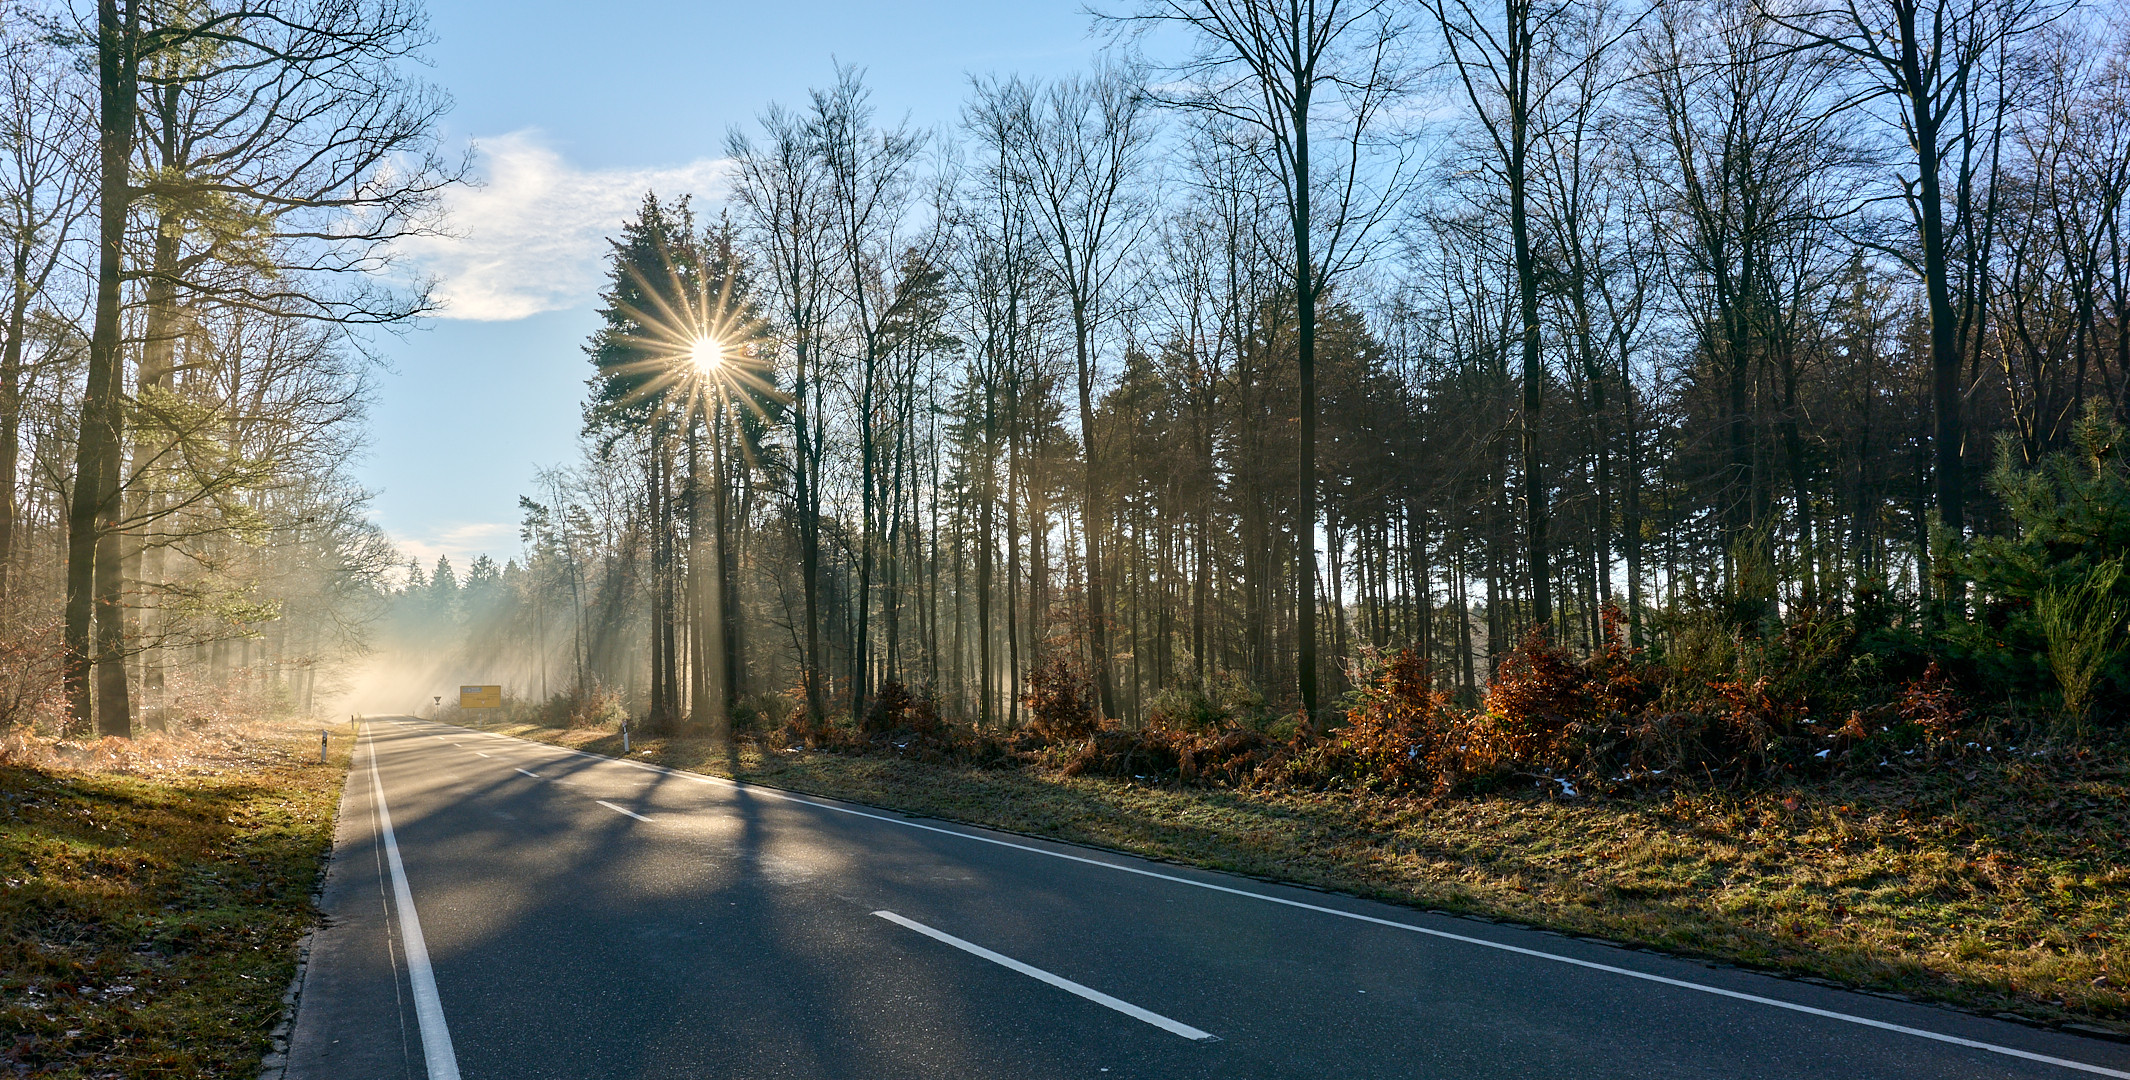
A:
{"x": 152, "y": 894}
{"x": 1998, "y": 884}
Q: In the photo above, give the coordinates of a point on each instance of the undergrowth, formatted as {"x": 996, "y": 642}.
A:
{"x": 151, "y": 896}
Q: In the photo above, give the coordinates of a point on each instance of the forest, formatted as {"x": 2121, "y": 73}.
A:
{"x": 198, "y": 206}
{"x": 1647, "y": 471}
{"x": 1574, "y": 383}
{"x": 1590, "y": 386}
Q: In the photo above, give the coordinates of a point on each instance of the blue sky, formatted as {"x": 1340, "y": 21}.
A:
{"x": 576, "y": 110}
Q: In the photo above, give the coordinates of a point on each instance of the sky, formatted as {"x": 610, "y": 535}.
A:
{"x": 572, "y": 117}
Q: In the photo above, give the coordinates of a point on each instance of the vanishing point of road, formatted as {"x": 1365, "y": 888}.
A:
{"x": 499, "y": 909}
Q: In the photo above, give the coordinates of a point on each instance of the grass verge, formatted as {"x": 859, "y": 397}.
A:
{"x": 2003, "y": 886}
{"x": 152, "y": 895}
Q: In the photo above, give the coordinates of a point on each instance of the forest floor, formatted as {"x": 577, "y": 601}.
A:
{"x": 1999, "y": 885}
{"x": 152, "y": 895}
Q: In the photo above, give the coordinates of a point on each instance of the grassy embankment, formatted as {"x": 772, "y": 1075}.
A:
{"x": 152, "y": 895}
{"x": 2003, "y": 885}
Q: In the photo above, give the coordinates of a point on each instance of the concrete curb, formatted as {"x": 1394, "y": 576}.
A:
{"x": 274, "y": 1065}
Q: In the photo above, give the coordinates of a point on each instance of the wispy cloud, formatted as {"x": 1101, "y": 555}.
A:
{"x": 531, "y": 236}
{"x": 460, "y": 543}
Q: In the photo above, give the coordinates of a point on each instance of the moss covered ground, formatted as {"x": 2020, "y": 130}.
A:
{"x": 152, "y": 896}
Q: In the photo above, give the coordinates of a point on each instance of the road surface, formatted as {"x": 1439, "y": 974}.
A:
{"x": 507, "y": 910}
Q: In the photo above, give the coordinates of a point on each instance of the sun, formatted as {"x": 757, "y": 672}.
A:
{"x": 707, "y": 354}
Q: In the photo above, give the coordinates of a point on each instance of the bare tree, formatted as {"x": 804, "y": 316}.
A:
{"x": 43, "y": 197}
{"x": 1940, "y": 67}
{"x": 1310, "y": 81}
{"x": 312, "y": 155}
{"x": 1080, "y": 150}
{"x": 868, "y": 198}
{"x": 781, "y": 189}
{"x": 1511, "y": 64}
{"x": 1741, "y": 169}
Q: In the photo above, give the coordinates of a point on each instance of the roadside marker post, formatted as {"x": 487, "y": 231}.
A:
{"x": 321, "y": 746}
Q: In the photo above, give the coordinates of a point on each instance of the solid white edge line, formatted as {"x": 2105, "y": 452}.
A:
{"x": 443, "y": 1062}
{"x": 1098, "y": 997}
{"x": 624, "y": 810}
{"x": 1863, "y": 1021}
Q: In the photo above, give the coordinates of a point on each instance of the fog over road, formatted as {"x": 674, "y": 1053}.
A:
{"x": 502, "y": 909}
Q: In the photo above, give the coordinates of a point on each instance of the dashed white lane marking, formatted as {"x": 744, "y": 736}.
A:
{"x": 1175, "y": 1027}
{"x": 534, "y": 775}
{"x": 477, "y": 753}
{"x": 1591, "y": 965}
{"x": 625, "y": 811}
{"x": 428, "y": 1009}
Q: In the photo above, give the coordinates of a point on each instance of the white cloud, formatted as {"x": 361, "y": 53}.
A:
{"x": 532, "y": 236}
{"x": 462, "y": 544}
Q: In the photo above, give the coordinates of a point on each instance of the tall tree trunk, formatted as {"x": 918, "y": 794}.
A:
{"x": 11, "y": 409}
{"x": 157, "y": 375}
{"x": 808, "y": 490}
{"x": 1631, "y": 503}
{"x": 1305, "y": 290}
{"x": 987, "y": 527}
{"x": 1949, "y": 479}
{"x": 1537, "y": 517}
{"x": 705, "y": 624}
{"x": 1013, "y": 578}
{"x": 863, "y": 598}
{"x": 91, "y": 504}
{"x": 1092, "y": 528}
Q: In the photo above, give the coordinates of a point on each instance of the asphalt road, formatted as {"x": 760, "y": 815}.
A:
{"x": 506, "y": 909}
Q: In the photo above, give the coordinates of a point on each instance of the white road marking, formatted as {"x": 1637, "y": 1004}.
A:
{"x": 1704, "y": 988}
{"x": 428, "y": 1010}
{"x": 1098, "y": 997}
{"x": 621, "y": 810}
{"x": 477, "y": 753}
{"x": 534, "y": 775}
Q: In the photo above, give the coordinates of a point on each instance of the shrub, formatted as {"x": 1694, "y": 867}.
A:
{"x": 2043, "y": 591}
{"x": 1933, "y": 705}
{"x": 896, "y": 709}
{"x": 1401, "y": 733}
{"x": 1185, "y": 708}
{"x": 2082, "y": 624}
{"x": 30, "y": 692}
{"x": 1060, "y": 701}
{"x": 585, "y": 705}
{"x": 1538, "y": 692}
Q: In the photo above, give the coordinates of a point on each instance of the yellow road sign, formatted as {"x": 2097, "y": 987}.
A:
{"x": 480, "y": 697}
